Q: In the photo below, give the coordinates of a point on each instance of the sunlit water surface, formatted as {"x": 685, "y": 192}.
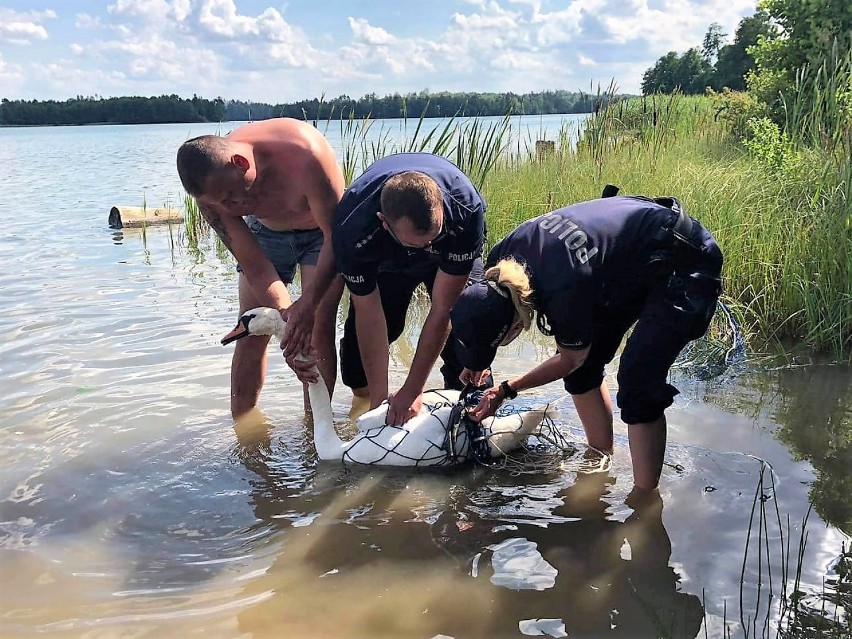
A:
{"x": 132, "y": 506}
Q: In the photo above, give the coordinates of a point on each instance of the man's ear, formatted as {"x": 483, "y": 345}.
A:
{"x": 241, "y": 162}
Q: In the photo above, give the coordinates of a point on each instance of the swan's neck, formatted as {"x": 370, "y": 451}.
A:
{"x": 326, "y": 441}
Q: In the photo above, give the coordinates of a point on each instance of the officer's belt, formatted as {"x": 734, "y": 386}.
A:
{"x": 682, "y": 228}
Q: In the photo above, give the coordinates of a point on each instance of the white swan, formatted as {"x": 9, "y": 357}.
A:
{"x": 422, "y": 441}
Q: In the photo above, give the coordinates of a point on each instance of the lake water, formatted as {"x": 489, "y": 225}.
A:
{"x": 131, "y": 505}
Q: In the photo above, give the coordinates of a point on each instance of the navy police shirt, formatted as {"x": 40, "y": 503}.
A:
{"x": 362, "y": 246}
{"x": 580, "y": 256}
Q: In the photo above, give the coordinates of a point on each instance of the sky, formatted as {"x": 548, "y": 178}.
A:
{"x": 260, "y": 50}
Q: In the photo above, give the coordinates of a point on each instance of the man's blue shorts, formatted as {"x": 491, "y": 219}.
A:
{"x": 286, "y": 249}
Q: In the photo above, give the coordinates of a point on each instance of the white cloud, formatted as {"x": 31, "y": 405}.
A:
{"x": 220, "y": 17}
{"x": 67, "y": 79}
{"x": 481, "y": 22}
{"x": 9, "y": 72}
{"x": 86, "y": 21}
{"x": 23, "y": 27}
{"x": 260, "y": 42}
{"x": 21, "y": 32}
{"x": 558, "y": 27}
{"x": 364, "y": 32}
{"x": 683, "y": 22}
{"x": 181, "y": 9}
{"x": 156, "y": 58}
{"x": 210, "y": 47}
{"x": 159, "y": 10}
{"x": 514, "y": 61}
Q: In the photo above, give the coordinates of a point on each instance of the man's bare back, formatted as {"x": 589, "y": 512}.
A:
{"x": 285, "y": 155}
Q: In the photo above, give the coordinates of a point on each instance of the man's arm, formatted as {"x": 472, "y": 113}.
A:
{"x": 259, "y": 271}
{"x": 445, "y": 291}
{"x": 323, "y": 193}
{"x": 372, "y": 331}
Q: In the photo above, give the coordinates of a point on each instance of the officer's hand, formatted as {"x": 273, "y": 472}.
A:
{"x": 474, "y": 378}
{"x": 488, "y": 405}
{"x": 402, "y": 406}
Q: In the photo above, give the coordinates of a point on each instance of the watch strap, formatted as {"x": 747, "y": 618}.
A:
{"x": 508, "y": 391}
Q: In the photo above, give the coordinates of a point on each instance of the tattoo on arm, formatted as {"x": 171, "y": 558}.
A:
{"x": 215, "y": 220}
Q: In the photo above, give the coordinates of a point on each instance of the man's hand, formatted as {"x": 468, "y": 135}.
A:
{"x": 488, "y": 405}
{"x": 304, "y": 365}
{"x": 402, "y": 406}
{"x": 300, "y": 326}
{"x": 474, "y": 378}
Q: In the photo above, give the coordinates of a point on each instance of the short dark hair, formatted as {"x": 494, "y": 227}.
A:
{"x": 412, "y": 195}
{"x": 198, "y": 158}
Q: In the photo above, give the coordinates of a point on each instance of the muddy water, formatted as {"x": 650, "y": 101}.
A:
{"x": 132, "y": 506}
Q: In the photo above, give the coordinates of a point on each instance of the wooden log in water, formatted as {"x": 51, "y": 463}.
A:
{"x": 139, "y": 216}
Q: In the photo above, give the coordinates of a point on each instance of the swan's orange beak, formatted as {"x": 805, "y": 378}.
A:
{"x": 238, "y": 332}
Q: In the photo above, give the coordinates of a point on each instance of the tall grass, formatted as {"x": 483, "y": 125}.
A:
{"x": 472, "y": 144}
{"x": 818, "y": 132}
{"x": 197, "y": 232}
{"x": 785, "y": 233}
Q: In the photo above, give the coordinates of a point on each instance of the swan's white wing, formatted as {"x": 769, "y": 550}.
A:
{"x": 418, "y": 443}
{"x": 505, "y": 434}
{"x": 441, "y": 397}
{"x": 374, "y": 418}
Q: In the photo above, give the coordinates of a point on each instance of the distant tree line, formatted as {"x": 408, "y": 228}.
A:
{"x": 423, "y": 103}
{"x": 715, "y": 65}
{"x": 172, "y": 108}
{"x": 125, "y": 110}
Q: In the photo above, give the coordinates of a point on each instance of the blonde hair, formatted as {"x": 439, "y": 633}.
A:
{"x": 512, "y": 276}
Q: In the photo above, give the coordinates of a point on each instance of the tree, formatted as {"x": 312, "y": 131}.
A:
{"x": 713, "y": 40}
{"x": 806, "y": 33}
{"x": 689, "y": 72}
{"x": 735, "y": 61}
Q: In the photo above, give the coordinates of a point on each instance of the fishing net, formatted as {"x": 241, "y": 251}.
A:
{"x": 722, "y": 347}
{"x": 550, "y": 449}
{"x": 444, "y": 436}
{"x": 544, "y": 450}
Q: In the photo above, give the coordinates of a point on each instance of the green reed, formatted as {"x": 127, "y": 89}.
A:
{"x": 197, "y": 233}
{"x": 776, "y": 566}
{"x": 785, "y": 232}
{"x": 196, "y": 227}
{"x": 472, "y": 144}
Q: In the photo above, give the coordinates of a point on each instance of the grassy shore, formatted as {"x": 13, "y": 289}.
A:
{"x": 784, "y": 226}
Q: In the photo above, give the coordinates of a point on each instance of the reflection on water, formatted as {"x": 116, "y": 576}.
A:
{"x": 815, "y": 415}
{"x": 131, "y": 505}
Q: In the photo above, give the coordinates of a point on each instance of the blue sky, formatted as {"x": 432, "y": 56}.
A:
{"x": 281, "y": 52}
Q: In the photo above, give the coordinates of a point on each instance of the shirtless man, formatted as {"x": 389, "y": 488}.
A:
{"x": 269, "y": 189}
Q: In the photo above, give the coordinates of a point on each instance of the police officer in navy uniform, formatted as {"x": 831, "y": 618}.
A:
{"x": 585, "y": 274}
{"x": 411, "y": 218}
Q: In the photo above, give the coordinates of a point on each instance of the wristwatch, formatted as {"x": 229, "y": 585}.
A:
{"x": 508, "y": 391}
